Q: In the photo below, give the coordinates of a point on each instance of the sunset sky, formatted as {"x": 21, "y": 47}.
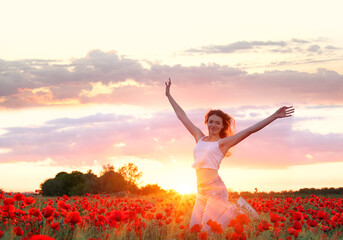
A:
{"x": 82, "y": 86}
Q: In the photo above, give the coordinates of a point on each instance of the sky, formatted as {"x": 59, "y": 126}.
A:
{"x": 82, "y": 86}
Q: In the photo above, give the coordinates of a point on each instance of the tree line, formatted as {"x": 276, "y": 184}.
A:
{"x": 303, "y": 192}
{"x": 125, "y": 179}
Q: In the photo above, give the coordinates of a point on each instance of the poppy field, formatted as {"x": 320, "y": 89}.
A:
{"x": 95, "y": 217}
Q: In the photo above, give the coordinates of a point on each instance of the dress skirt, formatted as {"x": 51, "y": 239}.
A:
{"x": 212, "y": 203}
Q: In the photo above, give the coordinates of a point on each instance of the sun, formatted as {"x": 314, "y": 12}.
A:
{"x": 185, "y": 189}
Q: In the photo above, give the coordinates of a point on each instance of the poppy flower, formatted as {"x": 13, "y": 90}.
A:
{"x": 274, "y": 217}
{"x": 313, "y": 223}
{"x": 293, "y": 232}
{"x": 297, "y": 216}
{"x": 19, "y": 197}
{"x": 159, "y": 216}
{"x": 195, "y": 228}
{"x": 215, "y": 227}
{"x": 73, "y": 218}
{"x": 264, "y": 225}
{"x": 202, "y": 236}
{"x": 55, "y": 225}
{"x": 233, "y": 222}
{"x": 238, "y": 229}
{"x": 322, "y": 215}
{"x": 18, "y": 231}
{"x": 8, "y": 208}
{"x": 48, "y": 211}
{"x": 242, "y": 219}
{"x": 232, "y": 236}
{"x": 8, "y": 201}
{"x": 35, "y": 212}
{"x": 297, "y": 226}
{"x": 41, "y": 237}
{"x": 118, "y": 215}
{"x": 29, "y": 201}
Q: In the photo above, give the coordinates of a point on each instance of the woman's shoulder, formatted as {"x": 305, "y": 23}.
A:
{"x": 200, "y": 138}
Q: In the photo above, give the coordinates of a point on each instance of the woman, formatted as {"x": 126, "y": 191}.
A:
{"x": 212, "y": 196}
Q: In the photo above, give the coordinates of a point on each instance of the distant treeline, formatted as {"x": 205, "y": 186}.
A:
{"x": 110, "y": 181}
{"x": 303, "y": 192}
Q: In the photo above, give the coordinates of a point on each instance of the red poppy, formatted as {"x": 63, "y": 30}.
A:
{"x": 232, "y": 236}
{"x": 8, "y": 201}
{"x": 18, "y": 231}
{"x": 48, "y": 211}
{"x": 101, "y": 218}
{"x": 293, "y": 232}
{"x": 55, "y": 225}
{"x": 297, "y": 226}
{"x": 243, "y": 219}
{"x": 202, "y": 236}
{"x": 233, "y": 222}
{"x": 29, "y": 201}
{"x": 264, "y": 225}
{"x": 322, "y": 215}
{"x": 73, "y": 218}
{"x": 118, "y": 215}
{"x": 159, "y": 216}
{"x": 35, "y": 212}
{"x": 8, "y": 208}
{"x": 297, "y": 216}
{"x": 19, "y": 197}
{"x": 238, "y": 229}
{"x": 313, "y": 223}
{"x": 41, "y": 237}
{"x": 215, "y": 227}
{"x": 274, "y": 217}
{"x": 195, "y": 228}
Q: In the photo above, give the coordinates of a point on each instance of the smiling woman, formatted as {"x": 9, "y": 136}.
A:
{"x": 212, "y": 196}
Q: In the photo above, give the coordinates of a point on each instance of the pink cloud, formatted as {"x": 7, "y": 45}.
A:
{"x": 80, "y": 141}
{"x": 198, "y": 86}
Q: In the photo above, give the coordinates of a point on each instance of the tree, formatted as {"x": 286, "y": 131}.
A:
{"x": 111, "y": 182}
{"x": 72, "y": 182}
{"x": 106, "y": 168}
{"x": 64, "y": 183}
{"x": 91, "y": 182}
{"x": 151, "y": 189}
{"x": 130, "y": 173}
{"x": 49, "y": 187}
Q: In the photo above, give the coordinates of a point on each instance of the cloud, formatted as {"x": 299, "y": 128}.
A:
{"x": 272, "y": 54}
{"x": 330, "y": 47}
{"x": 237, "y": 46}
{"x": 105, "y": 77}
{"x": 23, "y": 81}
{"x": 300, "y": 40}
{"x": 102, "y": 137}
{"x": 314, "y": 48}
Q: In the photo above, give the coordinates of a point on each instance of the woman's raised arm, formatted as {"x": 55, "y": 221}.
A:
{"x": 181, "y": 115}
{"x": 228, "y": 142}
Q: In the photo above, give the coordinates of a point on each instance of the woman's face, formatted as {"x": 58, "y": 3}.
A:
{"x": 214, "y": 124}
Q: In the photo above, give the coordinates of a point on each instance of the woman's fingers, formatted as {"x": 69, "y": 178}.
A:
{"x": 289, "y": 111}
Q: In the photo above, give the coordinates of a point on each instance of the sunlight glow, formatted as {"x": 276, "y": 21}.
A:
{"x": 317, "y": 175}
{"x": 5, "y": 150}
{"x": 99, "y": 88}
{"x": 184, "y": 189}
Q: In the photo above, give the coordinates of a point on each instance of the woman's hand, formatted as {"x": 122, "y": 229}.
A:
{"x": 168, "y": 88}
{"x": 284, "y": 112}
